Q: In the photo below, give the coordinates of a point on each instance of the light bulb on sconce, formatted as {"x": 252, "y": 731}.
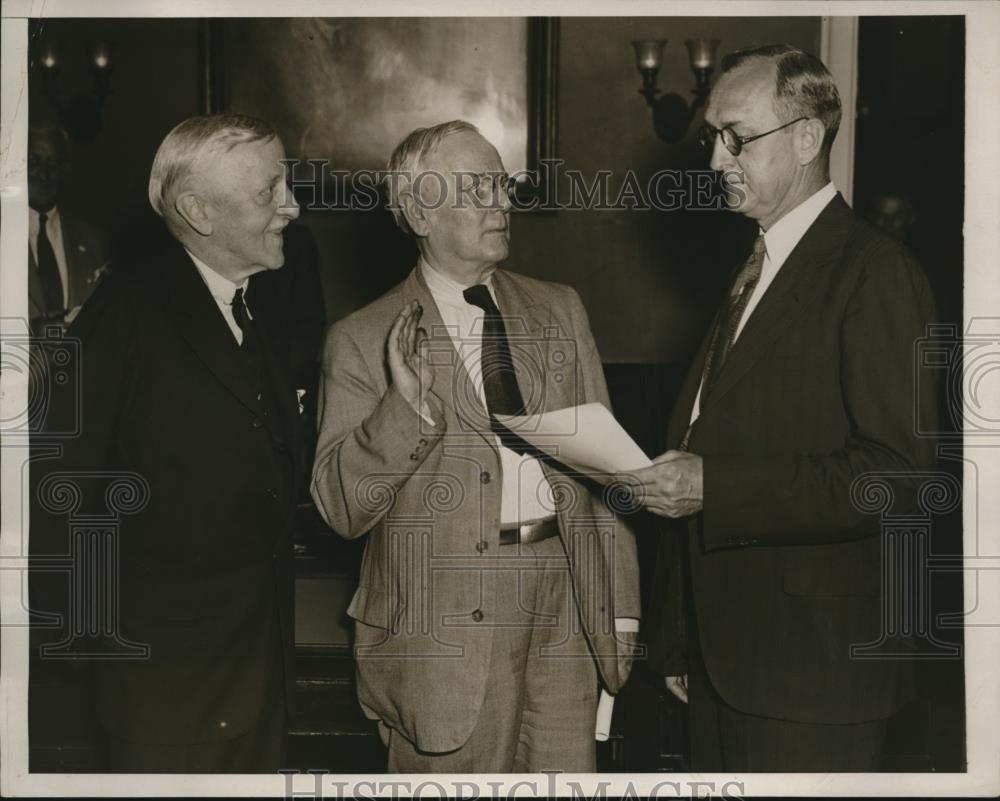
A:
{"x": 672, "y": 115}
{"x": 702, "y": 55}
{"x": 80, "y": 114}
{"x": 102, "y": 56}
{"x": 49, "y": 58}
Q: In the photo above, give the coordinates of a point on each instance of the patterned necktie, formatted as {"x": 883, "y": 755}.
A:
{"x": 48, "y": 270}
{"x": 729, "y": 318}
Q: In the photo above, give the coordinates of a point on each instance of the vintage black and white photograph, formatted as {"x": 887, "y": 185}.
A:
{"x": 601, "y": 397}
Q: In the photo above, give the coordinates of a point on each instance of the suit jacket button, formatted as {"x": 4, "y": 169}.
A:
{"x": 256, "y": 423}
{"x": 222, "y": 724}
{"x": 413, "y": 457}
{"x": 485, "y": 477}
{"x": 482, "y": 545}
{"x": 477, "y": 615}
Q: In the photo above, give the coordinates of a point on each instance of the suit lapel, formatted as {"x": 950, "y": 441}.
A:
{"x": 681, "y": 416}
{"x": 786, "y": 297}
{"x": 527, "y": 319}
{"x": 77, "y": 268}
{"x": 452, "y": 383}
{"x": 201, "y": 324}
{"x": 285, "y": 401}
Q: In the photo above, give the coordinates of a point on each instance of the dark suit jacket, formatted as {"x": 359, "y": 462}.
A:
{"x": 87, "y": 253}
{"x": 290, "y": 303}
{"x": 206, "y": 567}
{"x": 784, "y": 570}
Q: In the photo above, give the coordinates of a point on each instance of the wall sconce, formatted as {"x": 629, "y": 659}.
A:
{"x": 80, "y": 115}
{"x": 672, "y": 115}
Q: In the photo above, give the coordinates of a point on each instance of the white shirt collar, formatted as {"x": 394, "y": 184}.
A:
{"x": 784, "y": 235}
{"x": 222, "y": 288}
{"x": 445, "y": 289}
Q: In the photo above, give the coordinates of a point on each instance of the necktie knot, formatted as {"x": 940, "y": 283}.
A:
{"x": 749, "y": 274}
{"x": 242, "y": 317}
{"x": 239, "y": 307}
{"x": 479, "y": 295}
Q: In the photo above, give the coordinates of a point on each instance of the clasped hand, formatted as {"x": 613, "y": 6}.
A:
{"x": 670, "y": 487}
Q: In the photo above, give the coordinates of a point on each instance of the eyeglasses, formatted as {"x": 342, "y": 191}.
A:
{"x": 487, "y": 186}
{"x": 732, "y": 141}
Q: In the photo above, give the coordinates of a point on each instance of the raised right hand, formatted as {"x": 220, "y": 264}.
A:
{"x": 408, "y": 366}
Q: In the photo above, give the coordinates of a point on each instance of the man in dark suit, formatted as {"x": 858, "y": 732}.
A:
{"x": 181, "y": 390}
{"x": 67, "y": 256}
{"x": 804, "y": 383}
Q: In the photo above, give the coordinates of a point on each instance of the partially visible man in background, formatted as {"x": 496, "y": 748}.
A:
{"x": 67, "y": 256}
{"x": 182, "y": 390}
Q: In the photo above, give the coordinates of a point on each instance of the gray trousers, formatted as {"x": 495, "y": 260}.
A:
{"x": 541, "y": 690}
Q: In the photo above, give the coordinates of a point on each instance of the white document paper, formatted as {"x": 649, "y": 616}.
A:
{"x": 586, "y": 438}
{"x": 606, "y": 703}
{"x": 605, "y": 711}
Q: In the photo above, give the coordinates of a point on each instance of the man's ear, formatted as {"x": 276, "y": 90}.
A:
{"x": 192, "y": 209}
{"x": 810, "y": 140}
{"x": 415, "y": 213}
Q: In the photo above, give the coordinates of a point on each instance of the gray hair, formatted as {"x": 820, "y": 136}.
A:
{"x": 803, "y": 86}
{"x": 409, "y": 155}
{"x": 190, "y": 141}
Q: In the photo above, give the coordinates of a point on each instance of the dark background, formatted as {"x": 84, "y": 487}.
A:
{"x": 649, "y": 280}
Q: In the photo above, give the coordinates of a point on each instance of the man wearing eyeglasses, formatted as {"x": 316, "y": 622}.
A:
{"x": 804, "y": 383}
{"x": 496, "y": 589}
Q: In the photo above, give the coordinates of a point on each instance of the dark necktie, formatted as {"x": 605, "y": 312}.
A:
{"x": 724, "y": 334}
{"x": 48, "y": 270}
{"x": 250, "y": 346}
{"x": 503, "y": 396}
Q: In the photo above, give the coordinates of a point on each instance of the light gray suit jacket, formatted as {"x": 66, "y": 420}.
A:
{"x": 429, "y": 499}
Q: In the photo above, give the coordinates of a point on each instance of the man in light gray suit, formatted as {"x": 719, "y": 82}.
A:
{"x": 495, "y": 584}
